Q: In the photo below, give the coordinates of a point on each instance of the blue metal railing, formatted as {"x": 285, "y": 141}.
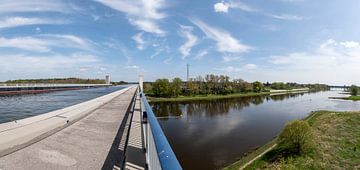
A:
{"x": 159, "y": 154}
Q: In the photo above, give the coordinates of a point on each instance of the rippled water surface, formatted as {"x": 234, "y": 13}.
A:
{"x": 21, "y": 106}
{"x": 213, "y": 134}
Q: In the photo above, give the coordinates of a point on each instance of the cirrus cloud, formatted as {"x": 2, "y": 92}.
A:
{"x": 225, "y": 42}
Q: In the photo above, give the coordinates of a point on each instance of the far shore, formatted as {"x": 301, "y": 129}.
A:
{"x": 218, "y": 96}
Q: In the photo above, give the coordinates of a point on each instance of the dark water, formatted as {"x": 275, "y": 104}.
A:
{"x": 21, "y": 106}
{"x": 212, "y": 134}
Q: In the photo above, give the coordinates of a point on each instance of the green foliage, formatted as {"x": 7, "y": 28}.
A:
{"x": 279, "y": 86}
{"x": 296, "y": 137}
{"x": 214, "y": 85}
{"x": 258, "y": 87}
{"x": 161, "y": 88}
{"x": 176, "y": 87}
{"x": 354, "y": 90}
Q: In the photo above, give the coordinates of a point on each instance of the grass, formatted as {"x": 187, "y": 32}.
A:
{"x": 337, "y": 145}
{"x": 353, "y": 98}
{"x": 212, "y": 96}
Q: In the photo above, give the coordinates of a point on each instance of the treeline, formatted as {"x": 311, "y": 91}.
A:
{"x": 217, "y": 84}
{"x": 119, "y": 83}
{"x": 57, "y": 81}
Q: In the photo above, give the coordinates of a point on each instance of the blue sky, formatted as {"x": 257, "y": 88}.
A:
{"x": 268, "y": 40}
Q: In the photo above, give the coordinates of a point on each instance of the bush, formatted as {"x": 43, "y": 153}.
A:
{"x": 354, "y": 90}
{"x": 258, "y": 87}
{"x": 161, "y": 88}
{"x": 296, "y": 137}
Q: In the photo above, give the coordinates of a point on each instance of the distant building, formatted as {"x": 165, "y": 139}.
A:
{"x": 107, "y": 79}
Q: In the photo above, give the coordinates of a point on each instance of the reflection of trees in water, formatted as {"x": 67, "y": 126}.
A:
{"x": 214, "y": 107}
{"x": 285, "y": 96}
{"x": 166, "y": 109}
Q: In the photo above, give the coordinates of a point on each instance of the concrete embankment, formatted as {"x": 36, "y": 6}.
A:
{"x": 19, "y": 134}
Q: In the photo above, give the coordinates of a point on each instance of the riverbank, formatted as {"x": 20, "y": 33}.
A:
{"x": 213, "y": 96}
{"x": 353, "y": 98}
{"x": 337, "y": 138}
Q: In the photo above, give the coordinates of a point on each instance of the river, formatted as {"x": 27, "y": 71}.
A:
{"x": 212, "y": 134}
{"x": 15, "y": 107}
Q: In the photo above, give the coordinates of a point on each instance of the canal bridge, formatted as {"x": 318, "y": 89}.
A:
{"x": 115, "y": 131}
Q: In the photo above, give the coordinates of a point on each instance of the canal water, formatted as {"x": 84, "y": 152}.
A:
{"x": 212, "y": 134}
{"x": 16, "y": 107}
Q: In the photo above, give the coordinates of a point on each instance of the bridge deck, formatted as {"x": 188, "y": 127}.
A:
{"x": 93, "y": 142}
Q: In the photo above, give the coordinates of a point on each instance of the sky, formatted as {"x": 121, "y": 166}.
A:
{"x": 302, "y": 41}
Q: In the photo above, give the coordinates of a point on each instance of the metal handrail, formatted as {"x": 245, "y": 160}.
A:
{"x": 166, "y": 156}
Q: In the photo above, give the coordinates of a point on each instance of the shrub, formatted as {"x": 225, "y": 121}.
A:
{"x": 354, "y": 90}
{"x": 296, "y": 137}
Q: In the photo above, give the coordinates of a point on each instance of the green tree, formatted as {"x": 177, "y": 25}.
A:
{"x": 258, "y": 87}
{"x": 296, "y": 137}
{"x": 161, "y": 88}
{"x": 176, "y": 87}
{"x": 354, "y": 90}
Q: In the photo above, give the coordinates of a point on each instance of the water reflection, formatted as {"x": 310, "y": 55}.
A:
{"x": 212, "y": 108}
{"x": 212, "y": 134}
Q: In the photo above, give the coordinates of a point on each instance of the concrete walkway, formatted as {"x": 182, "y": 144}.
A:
{"x": 135, "y": 154}
{"x": 93, "y": 142}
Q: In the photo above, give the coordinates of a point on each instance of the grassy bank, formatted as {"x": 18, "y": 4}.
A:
{"x": 353, "y": 98}
{"x": 337, "y": 145}
{"x": 213, "y": 96}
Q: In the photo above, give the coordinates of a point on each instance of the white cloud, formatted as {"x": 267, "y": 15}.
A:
{"x": 69, "y": 41}
{"x": 350, "y": 44}
{"x": 23, "y": 21}
{"x": 228, "y": 58}
{"x": 168, "y": 60}
{"x": 225, "y": 6}
{"x": 21, "y": 63}
{"x": 200, "y": 55}
{"x": 191, "y": 40}
{"x": 143, "y": 14}
{"x": 284, "y": 59}
{"x": 26, "y": 43}
{"x": 132, "y": 67}
{"x": 139, "y": 41}
{"x": 221, "y": 7}
{"x": 225, "y": 42}
{"x": 12, "y": 6}
{"x": 155, "y": 54}
{"x": 231, "y": 69}
{"x": 288, "y": 17}
{"x": 44, "y": 43}
{"x": 250, "y": 66}
{"x": 330, "y": 59}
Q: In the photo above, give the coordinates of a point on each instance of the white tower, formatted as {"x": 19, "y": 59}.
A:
{"x": 107, "y": 79}
{"x": 141, "y": 81}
